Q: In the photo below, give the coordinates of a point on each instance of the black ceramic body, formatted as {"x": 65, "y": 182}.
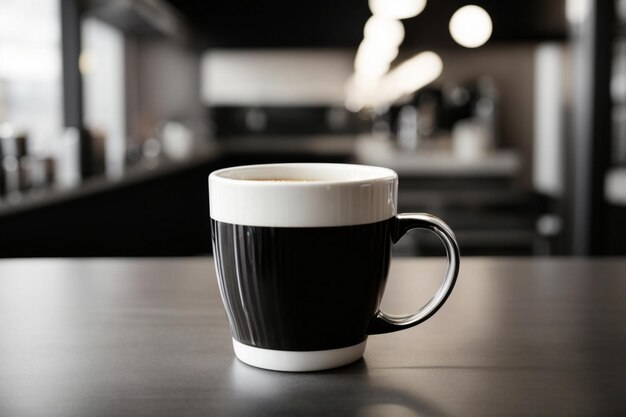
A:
{"x": 301, "y": 288}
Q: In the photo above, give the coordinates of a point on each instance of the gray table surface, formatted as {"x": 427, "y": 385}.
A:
{"x": 112, "y": 337}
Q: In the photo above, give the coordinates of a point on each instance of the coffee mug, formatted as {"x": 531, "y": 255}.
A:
{"x": 302, "y": 253}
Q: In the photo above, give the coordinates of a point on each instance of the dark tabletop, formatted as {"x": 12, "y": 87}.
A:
{"x": 518, "y": 337}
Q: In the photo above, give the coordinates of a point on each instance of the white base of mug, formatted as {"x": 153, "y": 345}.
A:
{"x": 296, "y": 361}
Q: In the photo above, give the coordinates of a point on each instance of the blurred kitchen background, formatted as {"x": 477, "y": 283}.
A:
{"x": 505, "y": 118}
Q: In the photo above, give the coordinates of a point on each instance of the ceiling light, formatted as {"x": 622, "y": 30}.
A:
{"x": 383, "y": 31}
{"x": 370, "y": 66}
{"x": 408, "y": 77}
{"x": 397, "y": 9}
{"x": 471, "y": 26}
{"x": 371, "y": 51}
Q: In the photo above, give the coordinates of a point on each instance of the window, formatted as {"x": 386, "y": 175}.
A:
{"x": 30, "y": 71}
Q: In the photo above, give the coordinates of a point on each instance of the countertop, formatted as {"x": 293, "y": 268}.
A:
{"x": 436, "y": 162}
{"x": 149, "y": 337}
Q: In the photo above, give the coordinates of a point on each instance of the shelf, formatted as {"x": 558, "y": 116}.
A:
{"x": 96, "y": 185}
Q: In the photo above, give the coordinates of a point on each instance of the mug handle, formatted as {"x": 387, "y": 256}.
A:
{"x": 386, "y": 323}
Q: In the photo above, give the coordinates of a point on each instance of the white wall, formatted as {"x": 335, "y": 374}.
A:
{"x": 268, "y": 77}
{"x": 168, "y": 80}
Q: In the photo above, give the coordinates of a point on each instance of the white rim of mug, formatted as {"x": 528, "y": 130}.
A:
{"x": 386, "y": 174}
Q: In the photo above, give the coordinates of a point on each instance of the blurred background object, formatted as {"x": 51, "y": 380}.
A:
{"x": 507, "y": 119}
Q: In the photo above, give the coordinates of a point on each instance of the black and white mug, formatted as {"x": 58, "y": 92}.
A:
{"x": 302, "y": 253}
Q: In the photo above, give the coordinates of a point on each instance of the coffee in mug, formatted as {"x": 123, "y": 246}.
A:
{"x": 302, "y": 253}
